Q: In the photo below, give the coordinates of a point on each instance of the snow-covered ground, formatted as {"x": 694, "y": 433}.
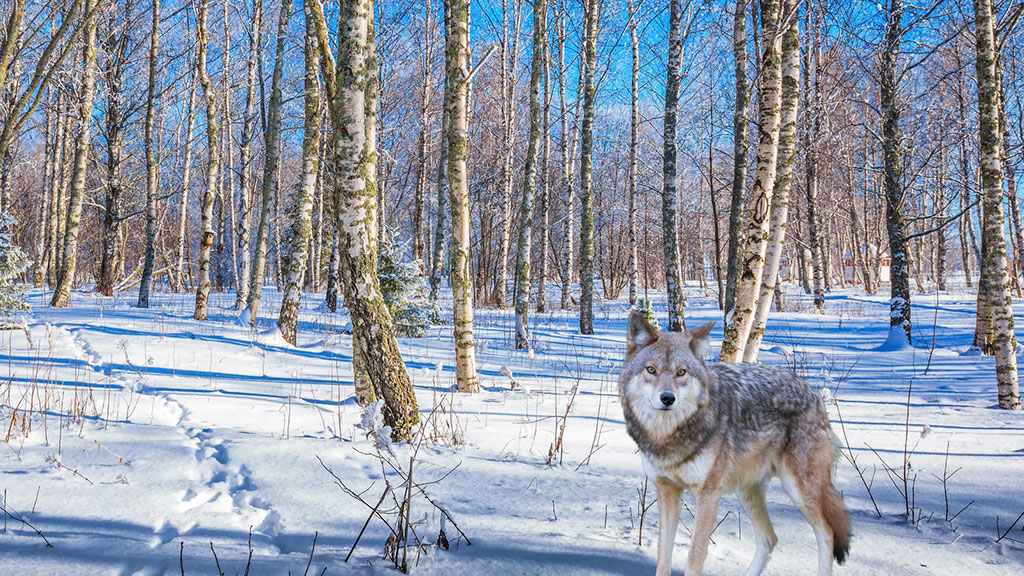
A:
{"x": 144, "y": 442}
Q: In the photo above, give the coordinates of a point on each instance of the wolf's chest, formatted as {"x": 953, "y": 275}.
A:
{"x": 693, "y": 472}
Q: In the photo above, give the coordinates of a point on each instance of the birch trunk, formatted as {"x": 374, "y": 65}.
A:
{"x": 186, "y": 183}
{"x": 56, "y": 186}
{"x": 419, "y": 228}
{"x": 586, "y": 170}
{"x": 272, "y": 145}
{"x": 332, "y": 276}
{"x": 899, "y": 304}
{"x": 457, "y": 91}
{"x": 813, "y": 109}
{"x": 351, "y": 86}
{"x": 245, "y": 179}
{"x": 994, "y": 269}
{"x": 783, "y": 178}
{"x": 152, "y": 168}
{"x": 739, "y": 169}
{"x": 674, "y": 286}
{"x": 634, "y": 150}
{"x": 66, "y": 274}
{"x": 212, "y": 166}
{"x": 302, "y": 203}
{"x": 568, "y": 147}
{"x": 544, "y": 204}
{"x": 227, "y": 263}
{"x": 509, "y": 63}
{"x": 522, "y": 300}
{"x": 756, "y": 211}
{"x": 442, "y": 228}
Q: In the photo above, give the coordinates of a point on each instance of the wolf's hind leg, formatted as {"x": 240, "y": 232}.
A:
{"x": 668, "y": 522}
{"x": 752, "y": 498}
{"x": 805, "y": 492}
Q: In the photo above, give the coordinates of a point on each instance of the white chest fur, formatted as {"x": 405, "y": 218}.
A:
{"x": 690, "y": 473}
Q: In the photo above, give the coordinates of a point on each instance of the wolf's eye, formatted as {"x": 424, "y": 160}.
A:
{"x": 651, "y": 370}
{"x": 681, "y": 372}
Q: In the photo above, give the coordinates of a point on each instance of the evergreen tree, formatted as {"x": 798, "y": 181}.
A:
{"x": 405, "y": 290}
{"x": 13, "y": 262}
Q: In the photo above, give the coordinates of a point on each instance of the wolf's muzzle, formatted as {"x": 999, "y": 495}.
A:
{"x": 668, "y": 398}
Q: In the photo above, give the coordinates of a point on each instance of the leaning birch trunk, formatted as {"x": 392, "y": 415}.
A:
{"x": 302, "y": 204}
{"x": 66, "y": 273}
{"x": 674, "y": 287}
{"x": 739, "y": 170}
{"x": 994, "y": 269}
{"x": 442, "y": 228}
{"x": 152, "y": 169}
{"x": 244, "y": 159}
{"x": 755, "y": 229}
{"x": 351, "y": 86}
{"x": 186, "y": 181}
{"x": 456, "y": 31}
{"x": 586, "y": 171}
{"x": 212, "y": 167}
{"x": 783, "y": 179}
{"x": 634, "y": 145}
{"x": 272, "y": 145}
{"x": 530, "y": 177}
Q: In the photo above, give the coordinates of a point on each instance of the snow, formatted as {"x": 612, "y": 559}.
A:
{"x": 137, "y": 439}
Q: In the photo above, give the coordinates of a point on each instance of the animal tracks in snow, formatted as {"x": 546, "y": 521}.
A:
{"x": 222, "y": 492}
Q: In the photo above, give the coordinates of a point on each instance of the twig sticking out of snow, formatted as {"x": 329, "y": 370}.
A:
{"x": 13, "y": 515}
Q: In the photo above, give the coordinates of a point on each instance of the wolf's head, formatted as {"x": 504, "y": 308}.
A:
{"x": 663, "y": 379}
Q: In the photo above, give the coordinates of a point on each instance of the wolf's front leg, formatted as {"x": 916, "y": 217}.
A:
{"x": 668, "y": 521}
{"x": 703, "y": 523}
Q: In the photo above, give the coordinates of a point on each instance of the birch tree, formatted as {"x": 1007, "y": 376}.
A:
{"x": 302, "y": 201}
{"x": 350, "y": 83}
{"x": 739, "y": 171}
{"x": 674, "y": 286}
{"x": 994, "y": 284}
{"x": 456, "y": 31}
{"x": 419, "y": 231}
{"x": 212, "y": 163}
{"x": 634, "y": 146}
{"x": 509, "y": 63}
{"x": 783, "y": 178}
{"x": 812, "y": 107}
{"x": 245, "y": 179}
{"x": 66, "y": 273}
{"x": 152, "y": 168}
{"x": 895, "y": 194}
{"x": 272, "y": 147}
{"x": 77, "y": 20}
{"x": 589, "y": 65}
{"x": 530, "y": 179}
{"x": 756, "y": 210}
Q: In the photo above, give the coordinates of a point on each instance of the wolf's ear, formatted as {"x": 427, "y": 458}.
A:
{"x": 700, "y": 339}
{"x": 639, "y": 332}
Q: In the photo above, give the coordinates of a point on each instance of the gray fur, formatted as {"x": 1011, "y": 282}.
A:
{"x": 728, "y": 427}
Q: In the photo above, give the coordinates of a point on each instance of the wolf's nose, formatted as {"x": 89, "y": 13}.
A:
{"x": 668, "y": 398}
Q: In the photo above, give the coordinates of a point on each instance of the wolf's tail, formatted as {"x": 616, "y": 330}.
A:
{"x": 838, "y": 520}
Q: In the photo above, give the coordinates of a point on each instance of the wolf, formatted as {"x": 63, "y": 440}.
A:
{"x": 714, "y": 428}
